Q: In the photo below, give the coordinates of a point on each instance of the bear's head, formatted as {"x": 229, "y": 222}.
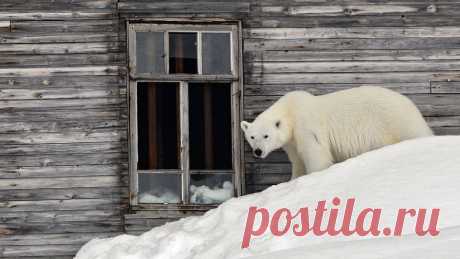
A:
{"x": 266, "y": 134}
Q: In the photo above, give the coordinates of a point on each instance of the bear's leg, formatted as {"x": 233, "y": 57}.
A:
{"x": 298, "y": 167}
{"x": 316, "y": 157}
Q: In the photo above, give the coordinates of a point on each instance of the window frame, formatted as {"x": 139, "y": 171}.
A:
{"x": 235, "y": 81}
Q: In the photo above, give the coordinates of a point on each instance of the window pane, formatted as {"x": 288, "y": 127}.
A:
{"x": 210, "y": 126}
{"x": 159, "y": 188}
{"x": 158, "y": 125}
{"x": 183, "y": 53}
{"x": 150, "y": 52}
{"x": 216, "y": 53}
{"x": 210, "y": 188}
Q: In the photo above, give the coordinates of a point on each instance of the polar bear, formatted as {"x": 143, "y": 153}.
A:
{"x": 318, "y": 131}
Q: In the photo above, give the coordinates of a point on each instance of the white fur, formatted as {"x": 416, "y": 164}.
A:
{"x": 317, "y": 131}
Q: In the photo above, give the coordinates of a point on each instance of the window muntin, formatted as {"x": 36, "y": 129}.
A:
{"x": 205, "y": 99}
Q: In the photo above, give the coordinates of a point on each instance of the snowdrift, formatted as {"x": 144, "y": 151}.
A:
{"x": 423, "y": 173}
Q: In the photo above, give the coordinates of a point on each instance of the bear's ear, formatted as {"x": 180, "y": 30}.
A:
{"x": 278, "y": 124}
{"x": 244, "y": 125}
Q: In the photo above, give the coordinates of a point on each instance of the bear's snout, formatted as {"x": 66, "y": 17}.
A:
{"x": 257, "y": 152}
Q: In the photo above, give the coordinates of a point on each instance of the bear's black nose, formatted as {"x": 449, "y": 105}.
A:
{"x": 258, "y": 152}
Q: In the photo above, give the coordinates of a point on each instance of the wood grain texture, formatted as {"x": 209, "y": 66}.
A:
{"x": 59, "y": 57}
{"x": 64, "y": 99}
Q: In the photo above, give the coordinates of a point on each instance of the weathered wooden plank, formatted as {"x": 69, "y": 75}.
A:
{"x": 59, "y": 216}
{"x": 443, "y": 87}
{"x": 63, "y": 82}
{"x": 354, "y": 9}
{"x": 50, "y": 251}
{"x": 351, "y": 66}
{"x": 438, "y": 104}
{"x": 337, "y": 43}
{"x": 63, "y": 103}
{"x": 5, "y": 26}
{"x": 446, "y": 130}
{"x": 81, "y": 169}
{"x": 113, "y": 225}
{"x": 404, "y": 20}
{"x": 183, "y": 7}
{"x": 352, "y": 55}
{"x": 61, "y": 48}
{"x": 58, "y": 205}
{"x": 111, "y": 25}
{"x": 50, "y": 37}
{"x": 33, "y": 14}
{"x": 68, "y": 71}
{"x": 162, "y": 214}
{"x": 52, "y": 239}
{"x": 444, "y": 121}
{"x": 63, "y": 159}
{"x": 359, "y": 9}
{"x": 267, "y": 169}
{"x": 320, "y": 89}
{"x": 63, "y": 182}
{"x": 64, "y": 194}
{"x": 56, "y": 4}
{"x": 62, "y": 60}
{"x": 267, "y": 179}
{"x": 352, "y": 32}
{"x": 41, "y": 257}
{"x": 429, "y": 104}
{"x": 350, "y": 78}
{"x": 62, "y": 93}
{"x": 59, "y": 126}
{"x": 111, "y": 135}
{"x": 44, "y": 115}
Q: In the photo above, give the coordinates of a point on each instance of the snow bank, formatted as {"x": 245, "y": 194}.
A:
{"x": 422, "y": 173}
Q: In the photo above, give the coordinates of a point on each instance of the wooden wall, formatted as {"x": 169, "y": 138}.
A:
{"x": 63, "y": 160}
{"x": 327, "y": 45}
{"x": 63, "y": 111}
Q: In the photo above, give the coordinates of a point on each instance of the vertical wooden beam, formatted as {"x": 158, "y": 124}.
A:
{"x": 133, "y": 156}
{"x": 185, "y": 164}
{"x": 199, "y": 52}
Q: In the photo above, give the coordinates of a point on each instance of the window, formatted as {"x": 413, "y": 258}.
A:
{"x": 184, "y": 113}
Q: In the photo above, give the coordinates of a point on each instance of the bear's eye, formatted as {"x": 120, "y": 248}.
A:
{"x": 252, "y": 137}
{"x": 265, "y": 136}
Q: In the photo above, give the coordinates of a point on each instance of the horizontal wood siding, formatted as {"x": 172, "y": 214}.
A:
{"x": 63, "y": 155}
{"x": 63, "y": 135}
{"x": 412, "y": 47}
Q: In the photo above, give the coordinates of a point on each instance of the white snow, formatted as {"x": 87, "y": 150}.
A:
{"x": 423, "y": 173}
{"x": 166, "y": 197}
{"x": 205, "y": 195}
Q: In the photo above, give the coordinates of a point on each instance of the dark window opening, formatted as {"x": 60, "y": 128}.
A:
{"x": 183, "y": 53}
{"x": 210, "y": 126}
{"x": 158, "y": 125}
